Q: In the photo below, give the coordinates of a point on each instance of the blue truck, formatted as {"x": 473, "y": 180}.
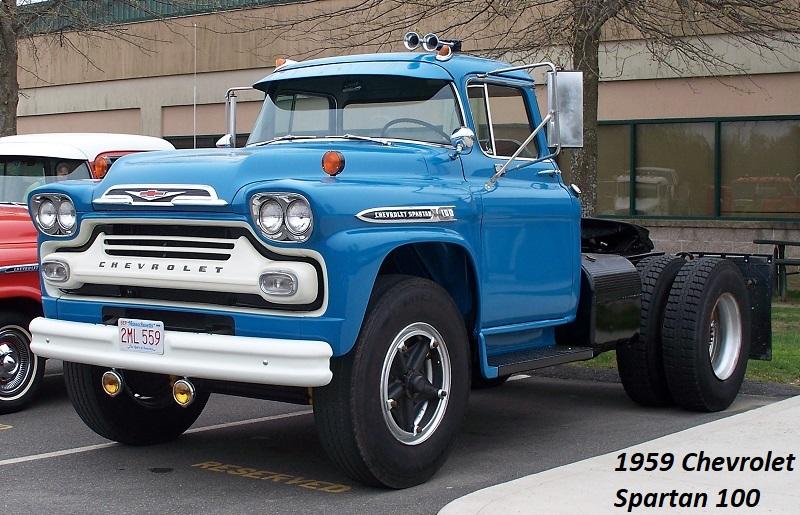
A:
{"x": 395, "y": 232}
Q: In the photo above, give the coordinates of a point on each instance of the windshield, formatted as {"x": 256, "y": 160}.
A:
{"x": 376, "y": 106}
{"x": 19, "y": 175}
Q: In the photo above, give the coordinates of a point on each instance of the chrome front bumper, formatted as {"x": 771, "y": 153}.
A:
{"x": 196, "y": 355}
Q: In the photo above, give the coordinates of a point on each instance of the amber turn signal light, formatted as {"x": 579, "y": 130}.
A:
{"x": 332, "y": 162}
{"x": 112, "y": 383}
{"x": 100, "y": 167}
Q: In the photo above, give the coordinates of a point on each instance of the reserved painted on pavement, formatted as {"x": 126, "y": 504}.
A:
{"x": 275, "y": 477}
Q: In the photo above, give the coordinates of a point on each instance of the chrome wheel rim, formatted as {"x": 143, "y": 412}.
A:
{"x": 17, "y": 362}
{"x": 725, "y": 336}
{"x": 415, "y": 383}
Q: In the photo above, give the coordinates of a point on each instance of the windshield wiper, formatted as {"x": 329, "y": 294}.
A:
{"x": 364, "y": 138}
{"x": 288, "y": 137}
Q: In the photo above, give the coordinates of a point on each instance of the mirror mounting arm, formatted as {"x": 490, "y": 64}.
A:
{"x": 492, "y": 182}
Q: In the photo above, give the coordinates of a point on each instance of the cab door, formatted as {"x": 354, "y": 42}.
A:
{"x": 530, "y": 221}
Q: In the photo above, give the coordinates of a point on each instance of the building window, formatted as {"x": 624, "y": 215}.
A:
{"x": 613, "y": 169}
{"x": 760, "y": 168}
{"x": 675, "y": 169}
{"x": 742, "y": 169}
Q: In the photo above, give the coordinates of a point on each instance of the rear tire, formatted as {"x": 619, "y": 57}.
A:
{"x": 412, "y": 345}
{"x": 706, "y": 334}
{"x": 21, "y": 370}
{"x": 152, "y": 417}
{"x": 640, "y": 362}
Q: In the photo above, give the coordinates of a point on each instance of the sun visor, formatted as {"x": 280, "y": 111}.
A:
{"x": 417, "y": 69}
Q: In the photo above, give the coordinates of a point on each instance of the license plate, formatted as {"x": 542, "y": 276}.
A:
{"x": 141, "y": 335}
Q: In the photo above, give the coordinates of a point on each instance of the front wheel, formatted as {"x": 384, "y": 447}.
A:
{"x": 397, "y": 399}
{"x": 21, "y": 371}
{"x": 143, "y": 414}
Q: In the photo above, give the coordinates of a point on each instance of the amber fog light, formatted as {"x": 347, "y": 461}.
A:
{"x": 55, "y": 271}
{"x": 112, "y": 383}
{"x": 183, "y": 392}
{"x": 278, "y": 283}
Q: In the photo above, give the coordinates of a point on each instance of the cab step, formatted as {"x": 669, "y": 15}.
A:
{"x": 532, "y": 359}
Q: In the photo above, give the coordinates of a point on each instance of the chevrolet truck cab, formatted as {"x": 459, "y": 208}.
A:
{"x": 395, "y": 232}
{"x": 26, "y": 162}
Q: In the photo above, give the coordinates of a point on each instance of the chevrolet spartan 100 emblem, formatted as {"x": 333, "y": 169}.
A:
{"x": 408, "y": 215}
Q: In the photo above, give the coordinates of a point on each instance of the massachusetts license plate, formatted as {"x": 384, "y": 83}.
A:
{"x": 141, "y": 335}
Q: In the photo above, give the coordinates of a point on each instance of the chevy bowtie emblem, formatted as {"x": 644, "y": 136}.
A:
{"x": 153, "y": 194}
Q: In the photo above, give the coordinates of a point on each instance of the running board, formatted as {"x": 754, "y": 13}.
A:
{"x": 532, "y": 359}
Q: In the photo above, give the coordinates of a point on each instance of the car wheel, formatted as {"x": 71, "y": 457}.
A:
{"x": 21, "y": 371}
{"x": 397, "y": 399}
{"x": 143, "y": 413}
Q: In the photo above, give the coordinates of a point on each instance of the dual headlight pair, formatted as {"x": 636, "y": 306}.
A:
{"x": 54, "y": 214}
{"x": 282, "y": 216}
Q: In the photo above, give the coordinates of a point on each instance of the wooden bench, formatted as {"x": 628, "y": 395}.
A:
{"x": 781, "y": 261}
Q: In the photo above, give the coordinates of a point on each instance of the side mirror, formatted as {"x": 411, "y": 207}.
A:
{"x": 225, "y": 141}
{"x": 462, "y": 139}
{"x": 565, "y": 101}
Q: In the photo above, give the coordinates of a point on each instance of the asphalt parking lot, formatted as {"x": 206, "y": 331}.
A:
{"x": 245, "y": 456}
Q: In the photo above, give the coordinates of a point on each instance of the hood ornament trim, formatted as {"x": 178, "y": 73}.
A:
{"x": 160, "y": 195}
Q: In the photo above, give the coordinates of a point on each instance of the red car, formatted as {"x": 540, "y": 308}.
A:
{"x": 27, "y": 162}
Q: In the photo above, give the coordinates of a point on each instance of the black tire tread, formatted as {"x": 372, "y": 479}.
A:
{"x": 640, "y": 363}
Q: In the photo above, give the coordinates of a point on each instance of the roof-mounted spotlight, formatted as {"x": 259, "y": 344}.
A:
{"x": 411, "y": 40}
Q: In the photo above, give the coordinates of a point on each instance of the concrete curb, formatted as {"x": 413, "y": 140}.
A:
{"x": 592, "y": 485}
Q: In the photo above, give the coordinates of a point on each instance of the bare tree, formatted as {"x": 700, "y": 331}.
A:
{"x": 675, "y": 33}
{"x": 38, "y": 24}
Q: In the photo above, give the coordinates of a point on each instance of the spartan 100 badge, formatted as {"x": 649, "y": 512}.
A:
{"x": 413, "y": 214}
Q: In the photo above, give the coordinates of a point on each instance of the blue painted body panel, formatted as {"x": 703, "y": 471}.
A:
{"x": 522, "y": 238}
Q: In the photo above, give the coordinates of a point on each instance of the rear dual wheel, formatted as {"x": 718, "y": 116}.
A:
{"x": 706, "y": 334}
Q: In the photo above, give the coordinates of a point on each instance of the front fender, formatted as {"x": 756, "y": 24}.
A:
{"x": 357, "y": 255}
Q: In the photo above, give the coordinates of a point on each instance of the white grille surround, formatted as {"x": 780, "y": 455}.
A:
{"x": 191, "y": 263}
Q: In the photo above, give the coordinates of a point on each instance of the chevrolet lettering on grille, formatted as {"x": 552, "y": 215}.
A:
{"x": 128, "y": 265}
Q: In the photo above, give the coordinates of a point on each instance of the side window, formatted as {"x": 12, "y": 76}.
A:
{"x": 477, "y": 104}
{"x": 510, "y": 123}
{"x": 503, "y": 125}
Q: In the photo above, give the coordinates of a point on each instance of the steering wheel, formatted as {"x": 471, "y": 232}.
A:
{"x": 427, "y": 125}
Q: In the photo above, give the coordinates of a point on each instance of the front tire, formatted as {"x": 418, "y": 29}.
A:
{"x": 706, "y": 334}
{"x": 143, "y": 414}
{"x": 396, "y": 401}
{"x": 21, "y": 371}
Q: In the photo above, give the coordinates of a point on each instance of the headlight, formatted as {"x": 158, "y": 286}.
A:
{"x": 46, "y": 215}
{"x": 298, "y": 217}
{"x": 270, "y": 217}
{"x": 282, "y": 216}
{"x": 66, "y": 215}
{"x": 54, "y": 214}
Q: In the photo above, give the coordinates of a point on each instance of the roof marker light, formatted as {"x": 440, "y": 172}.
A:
{"x": 444, "y": 53}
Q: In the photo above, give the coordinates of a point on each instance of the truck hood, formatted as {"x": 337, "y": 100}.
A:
{"x": 16, "y": 227}
{"x": 229, "y": 170}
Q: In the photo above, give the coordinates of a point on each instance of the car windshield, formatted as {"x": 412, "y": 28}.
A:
{"x": 19, "y": 175}
{"x": 368, "y": 106}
